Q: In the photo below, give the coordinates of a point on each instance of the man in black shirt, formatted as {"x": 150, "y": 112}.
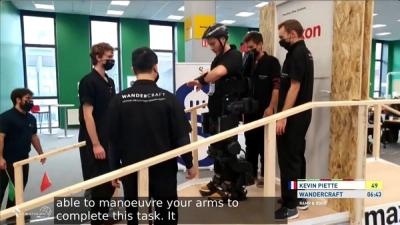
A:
{"x": 95, "y": 92}
{"x": 265, "y": 73}
{"x": 296, "y": 89}
{"x": 146, "y": 121}
{"x": 226, "y": 69}
{"x": 17, "y": 133}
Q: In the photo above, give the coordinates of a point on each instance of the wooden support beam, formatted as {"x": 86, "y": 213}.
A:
{"x": 193, "y": 121}
{"x": 269, "y": 159}
{"x": 377, "y": 131}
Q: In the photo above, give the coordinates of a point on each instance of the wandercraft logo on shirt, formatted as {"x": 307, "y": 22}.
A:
{"x": 140, "y": 97}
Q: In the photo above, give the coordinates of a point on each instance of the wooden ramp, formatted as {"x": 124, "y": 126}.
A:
{"x": 381, "y": 170}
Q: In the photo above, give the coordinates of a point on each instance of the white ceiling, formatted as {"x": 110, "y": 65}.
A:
{"x": 152, "y": 10}
{"x": 388, "y": 11}
{"x": 389, "y": 14}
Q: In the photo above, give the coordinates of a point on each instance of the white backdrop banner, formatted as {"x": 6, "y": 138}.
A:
{"x": 189, "y": 97}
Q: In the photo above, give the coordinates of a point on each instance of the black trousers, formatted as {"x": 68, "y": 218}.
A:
{"x": 291, "y": 149}
{"x": 4, "y": 182}
{"x": 162, "y": 186}
{"x": 255, "y": 149}
{"x": 255, "y": 143}
{"x": 91, "y": 167}
{"x": 217, "y": 122}
{"x": 223, "y": 169}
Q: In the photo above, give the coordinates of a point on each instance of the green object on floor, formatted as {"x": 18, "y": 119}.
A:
{"x": 11, "y": 191}
{"x": 11, "y": 188}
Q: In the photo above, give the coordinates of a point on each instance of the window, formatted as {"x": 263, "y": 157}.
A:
{"x": 108, "y": 31}
{"x": 381, "y": 70}
{"x": 40, "y": 62}
{"x": 162, "y": 38}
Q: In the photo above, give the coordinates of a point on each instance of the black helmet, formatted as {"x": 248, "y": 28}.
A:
{"x": 216, "y": 31}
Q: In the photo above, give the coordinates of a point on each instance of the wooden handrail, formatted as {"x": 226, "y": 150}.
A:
{"x": 196, "y": 107}
{"x": 392, "y": 110}
{"x": 50, "y": 153}
{"x": 18, "y": 174}
{"x": 142, "y": 165}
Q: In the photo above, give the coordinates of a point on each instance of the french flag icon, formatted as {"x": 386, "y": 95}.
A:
{"x": 292, "y": 185}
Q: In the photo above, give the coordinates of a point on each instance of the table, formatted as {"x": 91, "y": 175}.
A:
{"x": 64, "y": 106}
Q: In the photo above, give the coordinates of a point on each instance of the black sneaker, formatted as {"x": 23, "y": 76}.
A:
{"x": 302, "y": 204}
{"x": 286, "y": 214}
{"x": 211, "y": 187}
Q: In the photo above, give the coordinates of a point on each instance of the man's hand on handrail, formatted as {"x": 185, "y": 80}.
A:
{"x": 116, "y": 183}
{"x": 3, "y": 164}
{"x": 192, "y": 173}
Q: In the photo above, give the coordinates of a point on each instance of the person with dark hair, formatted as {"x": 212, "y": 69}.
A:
{"x": 146, "y": 121}
{"x": 225, "y": 79}
{"x": 96, "y": 90}
{"x": 18, "y": 131}
{"x": 233, "y": 47}
{"x": 296, "y": 89}
{"x": 264, "y": 72}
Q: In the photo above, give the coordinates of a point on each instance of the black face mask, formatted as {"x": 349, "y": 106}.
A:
{"x": 27, "y": 106}
{"x": 284, "y": 44}
{"x": 109, "y": 64}
{"x": 255, "y": 52}
{"x": 157, "y": 77}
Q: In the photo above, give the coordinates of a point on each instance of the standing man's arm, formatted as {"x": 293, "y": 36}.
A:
{"x": 273, "y": 103}
{"x": 289, "y": 103}
{"x": 114, "y": 154}
{"x": 98, "y": 150}
{"x": 3, "y": 131}
{"x": 180, "y": 129}
{"x": 276, "y": 79}
{"x": 296, "y": 75}
{"x": 3, "y": 163}
{"x": 228, "y": 65}
{"x": 87, "y": 96}
{"x": 38, "y": 147}
{"x": 209, "y": 77}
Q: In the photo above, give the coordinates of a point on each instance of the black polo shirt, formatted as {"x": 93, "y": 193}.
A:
{"x": 298, "y": 65}
{"x": 145, "y": 121}
{"x": 98, "y": 92}
{"x": 232, "y": 61}
{"x": 18, "y": 129}
{"x": 266, "y": 78}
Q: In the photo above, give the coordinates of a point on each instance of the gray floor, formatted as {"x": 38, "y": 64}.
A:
{"x": 65, "y": 170}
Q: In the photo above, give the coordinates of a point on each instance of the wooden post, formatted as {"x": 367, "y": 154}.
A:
{"x": 357, "y": 209}
{"x": 143, "y": 182}
{"x": 269, "y": 159}
{"x": 193, "y": 120}
{"x": 19, "y": 192}
{"x": 143, "y": 187}
{"x": 377, "y": 131}
{"x": 268, "y": 27}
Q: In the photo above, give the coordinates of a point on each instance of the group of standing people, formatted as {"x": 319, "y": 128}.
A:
{"x": 144, "y": 120}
